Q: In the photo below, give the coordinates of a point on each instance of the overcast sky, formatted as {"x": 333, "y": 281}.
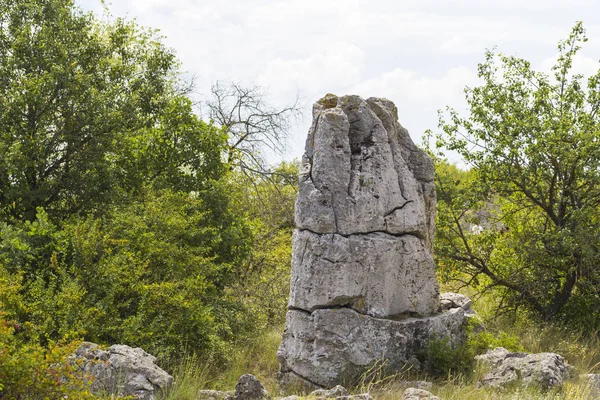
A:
{"x": 419, "y": 54}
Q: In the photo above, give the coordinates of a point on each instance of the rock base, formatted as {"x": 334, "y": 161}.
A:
{"x": 329, "y": 347}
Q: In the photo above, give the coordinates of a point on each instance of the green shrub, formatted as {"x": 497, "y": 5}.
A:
{"x": 153, "y": 274}
{"x": 30, "y": 371}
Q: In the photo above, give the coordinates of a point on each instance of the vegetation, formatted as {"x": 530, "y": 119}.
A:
{"x": 579, "y": 349}
{"x": 126, "y": 218}
{"x": 531, "y": 141}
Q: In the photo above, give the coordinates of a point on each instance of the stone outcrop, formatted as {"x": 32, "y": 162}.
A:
{"x": 545, "y": 370}
{"x": 121, "y": 370}
{"x": 363, "y": 284}
{"x": 593, "y": 383}
{"x": 250, "y": 388}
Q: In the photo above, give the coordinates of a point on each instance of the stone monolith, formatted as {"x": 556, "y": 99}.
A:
{"x": 363, "y": 284}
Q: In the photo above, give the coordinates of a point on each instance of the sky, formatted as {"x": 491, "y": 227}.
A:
{"x": 419, "y": 54}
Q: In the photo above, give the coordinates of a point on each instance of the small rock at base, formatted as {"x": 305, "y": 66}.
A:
{"x": 547, "y": 370}
{"x": 250, "y": 388}
{"x": 593, "y": 382}
{"x": 213, "y": 395}
{"x": 418, "y": 394}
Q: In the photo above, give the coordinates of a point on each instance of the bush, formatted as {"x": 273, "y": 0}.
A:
{"x": 30, "y": 371}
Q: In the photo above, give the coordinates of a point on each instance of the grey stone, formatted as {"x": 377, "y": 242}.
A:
{"x": 362, "y": 396}
{"x": 450, "y": 300}
{"x": 250, "y": 388}
{"x": 362, "y": 173}
{"x": 213, "y": 395}
{"x": 493, "y": 358}
{"x": 329, "y": 346}
{"x": 546, "y": 370}
{"x": 377, "y": 274}
{"x": 122, "y": 371}
{"x": 363, "y": 286}
{"x": 418, "y": 394}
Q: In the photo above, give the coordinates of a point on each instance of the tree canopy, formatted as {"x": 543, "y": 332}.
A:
{"x": 88, "y": 109}
{"x": 532, "y": 141}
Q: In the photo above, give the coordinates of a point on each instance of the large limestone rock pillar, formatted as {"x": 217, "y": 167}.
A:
{"x": 363, "y": 284}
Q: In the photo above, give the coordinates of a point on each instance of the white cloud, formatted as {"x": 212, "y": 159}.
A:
{"x": 582, "y": 64}
{"x": 406, "y": 84}
{"x": 418, "y": 54}
{"x": 328, "y": 70}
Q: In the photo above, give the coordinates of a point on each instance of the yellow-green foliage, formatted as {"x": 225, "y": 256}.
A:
{"x": 29, "y": 371}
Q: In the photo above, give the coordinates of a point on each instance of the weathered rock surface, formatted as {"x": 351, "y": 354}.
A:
{"x": 416, "y": 384}
{"x": 330, "y": 345}
{"x": 250, "y": 388}
{"x": 338, "y": 393}
{"x": 362, "y": 174}
{"x": 363, "y": 284}
{"x": 376, "y": 274}
{"x": 332, "y": 393}
{"x": 418, "y": 394}
{"x": 593, "y": 382}
{"x": 122, "y": 370}
{"x": 546, "y": 370}
{"x": 214, "y": 395}
{"x": 450, "y": 300}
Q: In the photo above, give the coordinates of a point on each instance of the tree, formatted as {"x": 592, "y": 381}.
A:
{"x": 263, "y": 280}
{"x": 533, "y": 143}
{"x": 251, "y": 123}
{"x": 76, "y": 96}
{"x": 117, "y": 221}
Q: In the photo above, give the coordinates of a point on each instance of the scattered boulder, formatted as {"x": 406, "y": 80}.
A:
{"x": 333, "y": 393}
{"x": 121, "y": 370}
{"x": 250, "y": 388}
{"x": 347, "y": 343}
{"x": 418, "y": 394}
{"x": 546, "y": 370}
{"x": 339, "y": 393}
{"x": 363, "y": 285}
{"x": 416, "y": 384}
{"x": 214, "y": 395}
